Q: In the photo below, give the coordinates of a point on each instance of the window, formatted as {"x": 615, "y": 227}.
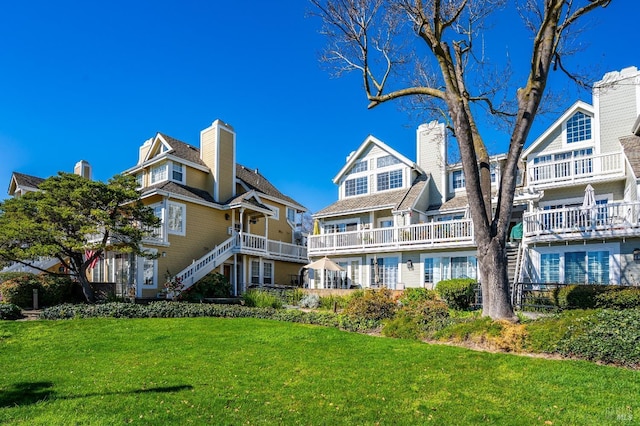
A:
{"x": 267, "y": 272}
{"x": 494, "y": 172}
{"x": 255, "y": 272}
{"x": 550, "y": 267}
{"x": 148, "y": 269}
{"x": 177, "y": 172}
{"x": 275, "y": 210}
{"x": 176, "y": 218}
{"x": 159, "y": 173}
{"x": 458, "y": 179}
{"x": 390, "y": 180}
{"x": 578, "y": 128}
{"x": 291, "y": 215}
{"x": 428, "y": 270}
{"x": 355, "y": 186}
{"x": 360, "y": 166}
{"x": 387, "y": 160}
{"x": 157, "y": 233}
{"x": 139, "y": 177}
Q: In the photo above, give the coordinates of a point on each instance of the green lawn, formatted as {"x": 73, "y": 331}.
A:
{"x": 247, "y": 371}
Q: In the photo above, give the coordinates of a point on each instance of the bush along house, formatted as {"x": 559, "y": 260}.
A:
{"x": 217, "y": 216}
{"x": 399, "y": 223}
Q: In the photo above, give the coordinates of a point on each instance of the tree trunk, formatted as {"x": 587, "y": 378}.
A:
{"x": 492, "y": 261}
{"x": 87, "y": 290}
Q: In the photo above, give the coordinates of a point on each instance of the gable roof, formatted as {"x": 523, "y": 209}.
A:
{"x": 372, "y": 140}
{"x": 24, "y": 181}
{"x": 178, "y": 189}
{"x": 182, "y": 149}
{"x": 396, "y": 200}
{"x": 579, "y": 105}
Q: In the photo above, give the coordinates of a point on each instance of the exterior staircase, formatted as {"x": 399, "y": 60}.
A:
{"x": 515, "y": 253}
{"x": 207, "y": 263}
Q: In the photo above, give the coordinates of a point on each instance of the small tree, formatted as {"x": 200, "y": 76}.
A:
{"x": 426, "y": 50}
{"x": 71, "y": 216}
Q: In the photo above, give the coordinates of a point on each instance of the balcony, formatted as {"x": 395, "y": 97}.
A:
{"x": 575, "y": 223}
{"x": 455, "y": 233}
{"x": 576, "y": 169}
{"x": 261, "y": 246}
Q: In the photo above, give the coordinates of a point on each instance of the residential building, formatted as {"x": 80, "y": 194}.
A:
{"x": 399, "y": 223}
{"x": 217, "y": 215}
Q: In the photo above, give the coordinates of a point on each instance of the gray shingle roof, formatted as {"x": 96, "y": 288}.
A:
{"x": 27, "y": 180}
{"x": 254, "y": 180}
{"x": 631, "y": 146}
{"x": 400, "y": 199}
{"x": 183, "y": 150}
{"x": 179, "y": 189}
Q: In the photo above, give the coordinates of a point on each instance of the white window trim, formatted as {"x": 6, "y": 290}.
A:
{"x": 183, "y": 171}
{"x": 276, "y": 211}
{"x": 287, "y": 210}
{"x": 154, "y": 284}
{"x": 578, "y": 145}
{"x": 339, "y": 222}
{"x": 166, "y": 166}
{"x": 367, "y": 276}
{"x": 273, "y": 269}
{"x": 457, "y": 190}
{"x": 442, "y": 255}
{"x": 183, "y": 229}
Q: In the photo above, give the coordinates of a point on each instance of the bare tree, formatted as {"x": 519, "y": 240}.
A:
{"x": 427, "y": 50}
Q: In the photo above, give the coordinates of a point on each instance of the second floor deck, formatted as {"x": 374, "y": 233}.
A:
{"x": 454, "y": 233}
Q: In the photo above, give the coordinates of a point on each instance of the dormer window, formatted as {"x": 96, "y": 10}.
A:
{"x": 578, "y": 128}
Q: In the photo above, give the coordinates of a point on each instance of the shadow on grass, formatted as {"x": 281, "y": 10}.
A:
{"x": 26, "y": 393}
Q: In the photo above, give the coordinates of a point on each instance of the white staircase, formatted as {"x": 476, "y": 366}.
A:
{"x": 207, "y": 263}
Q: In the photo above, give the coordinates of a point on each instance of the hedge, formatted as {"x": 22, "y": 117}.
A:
{"x": 168, "y": 309}
{"x": 459, "y": 293}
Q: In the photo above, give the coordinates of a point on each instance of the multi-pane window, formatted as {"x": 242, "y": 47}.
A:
{"x": 176, "y": 218}
{"x": 291, "y": 215}
{"x": 384, "y": 272}
{"x": 458, "y": 179}
{"x": 387, "y": 160}
{"x": 267, "y": 273}
{"x": 255, "y": 272}
{"x": 578, "y": 128}
{"x": 428, "y": 270}
{"x": 390, "y": 180}
{"x": 355, "y": 186}
{"x": 159, "y": 173}
{"x": 177, "y": 172}
{"x": 360, "y": 166}
{"x": 550, "y": 267}
{"x": 139, "y": 180}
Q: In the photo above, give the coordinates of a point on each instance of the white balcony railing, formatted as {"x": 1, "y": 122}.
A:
{"x": 604, "y": 219}
{"x": 449, "y": 233}
{"x": 562, "y": 171}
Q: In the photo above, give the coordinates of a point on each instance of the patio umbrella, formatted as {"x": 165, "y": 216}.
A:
{"x": 589, "y": 203}
{"x": 316, "y": 227}
{"x": 324, "y": 263}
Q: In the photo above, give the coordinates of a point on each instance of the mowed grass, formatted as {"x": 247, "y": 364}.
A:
{"x": 247, "y": 371}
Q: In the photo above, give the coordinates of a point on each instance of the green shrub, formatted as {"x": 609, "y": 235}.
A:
{"x": 619, "y": 298}
{"x": 607, "y": 336}
{"x": 419, "y": 319}
{"x": 6, "y": 276}
{"x": 417, "y": 295}
{"x": 9, "y": 311}
{"x": 373, "y": 305}
{"x": 293, "y": 297}
{"x": 578, "y": 296}
{"x": 545, "y": 333}
{"x": 459, "y": 293}
{"x": 56, "y": 290}
{"x": 213, "y": 285}
{"x": 19, "y": 290}
{"x": 261, "y": 299}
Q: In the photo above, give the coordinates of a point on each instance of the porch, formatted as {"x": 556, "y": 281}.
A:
{"x": 454, "y": 233}
{"x": 572, "y": 223}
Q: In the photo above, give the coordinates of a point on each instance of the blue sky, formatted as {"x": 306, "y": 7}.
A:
{"x": 94, "y": 80}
